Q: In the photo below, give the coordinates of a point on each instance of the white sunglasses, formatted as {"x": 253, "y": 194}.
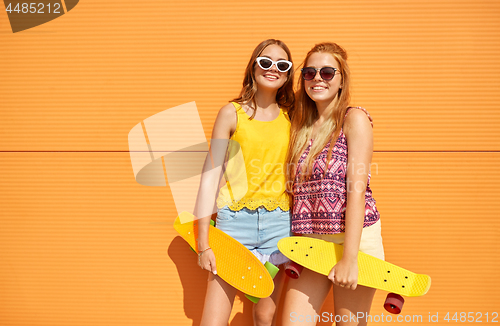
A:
{"x": 281, "y": 65}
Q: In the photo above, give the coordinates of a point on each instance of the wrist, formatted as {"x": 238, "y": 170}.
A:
{"x": 201, "y": 252}
{"x": 350, "y": 257}
{"x": 201, "y": 245}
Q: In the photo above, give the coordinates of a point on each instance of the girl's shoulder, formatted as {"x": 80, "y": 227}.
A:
{"x": 230, "y": 108}
{"x": 227, "y": 112}
{"x": 357, "y": 122}
{"x": 226, "y": 119}
{"x": 357, "y": 115}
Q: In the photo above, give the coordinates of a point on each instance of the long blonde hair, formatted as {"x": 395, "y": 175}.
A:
{"x": 305, "y": 114}
{"x": 285, "y": 96}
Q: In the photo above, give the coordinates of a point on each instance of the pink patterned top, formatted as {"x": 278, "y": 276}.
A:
{"x": 320, "y": 203}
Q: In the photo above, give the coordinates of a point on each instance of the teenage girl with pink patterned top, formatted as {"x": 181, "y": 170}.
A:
{"x": 331, "y": 201}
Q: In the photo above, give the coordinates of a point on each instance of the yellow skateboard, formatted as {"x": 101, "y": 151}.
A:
{"x": 235, "y": 263}
{"x": 320, "y": 256}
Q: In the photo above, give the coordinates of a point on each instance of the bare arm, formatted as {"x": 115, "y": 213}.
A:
{"x": 359, "y": 135}
{"x": 225, "y": 125}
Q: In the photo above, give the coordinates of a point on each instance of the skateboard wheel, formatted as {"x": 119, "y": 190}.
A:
{"x": 394, "y": 303}
{"x": 293, "y": 270}
{"x": 212, "y": 222}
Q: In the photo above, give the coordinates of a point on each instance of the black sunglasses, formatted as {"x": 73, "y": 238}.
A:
{"x": 327, "y": 73}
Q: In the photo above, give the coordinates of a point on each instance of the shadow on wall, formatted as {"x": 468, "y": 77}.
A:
{"x": 194, "y": 285}
{"x": 193, "y": 279}
{"x": 245, "y": 317}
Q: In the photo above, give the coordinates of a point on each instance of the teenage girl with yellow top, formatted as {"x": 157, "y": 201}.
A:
{"x": 256, "y": 125}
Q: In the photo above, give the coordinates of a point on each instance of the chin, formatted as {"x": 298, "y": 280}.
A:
{"x": 322, "y": 98}
{"x": 318, "y": 97}
{"x": 271, "y": 85}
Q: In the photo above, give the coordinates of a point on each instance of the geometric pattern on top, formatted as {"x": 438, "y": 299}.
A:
{"x": 236, "y": 265}
{"x": 320, "y": 201}
{"x": 320, "y": 256}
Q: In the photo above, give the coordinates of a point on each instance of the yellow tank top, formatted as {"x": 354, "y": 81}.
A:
{"x": 255, "y": 169}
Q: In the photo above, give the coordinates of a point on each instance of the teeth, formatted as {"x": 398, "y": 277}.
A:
{"x": 318, "y": 87}
{"x": 273, "y": 77}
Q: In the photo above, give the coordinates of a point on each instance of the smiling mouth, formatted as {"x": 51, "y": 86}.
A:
{"x": 271, "y": 77}
{"x": 318, "y": 88}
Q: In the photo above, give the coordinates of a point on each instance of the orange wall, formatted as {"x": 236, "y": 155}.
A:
{"x": 81, "y": 243}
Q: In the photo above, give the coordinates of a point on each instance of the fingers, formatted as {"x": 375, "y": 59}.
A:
{"x": 343, "y": 279}
{"x": 331, "y": 276}
{"x": 213, "y": 267}
{"x": 207, "y": 262}
{"x": 342, "y": 282}
{"x": 346, "y": 284}
{"x": 209, "y": 267}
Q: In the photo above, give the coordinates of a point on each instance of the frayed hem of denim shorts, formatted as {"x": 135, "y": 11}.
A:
{"x": 276, "y": 258}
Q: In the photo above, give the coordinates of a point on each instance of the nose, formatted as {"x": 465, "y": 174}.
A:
{"x": 317, "y": 76}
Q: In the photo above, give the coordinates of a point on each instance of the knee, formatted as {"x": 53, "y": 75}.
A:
{"x": 263, "y": 315}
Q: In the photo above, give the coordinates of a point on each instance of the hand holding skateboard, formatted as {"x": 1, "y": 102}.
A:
{"x": 235, "y": 263}
{"x": 320, "y": 256}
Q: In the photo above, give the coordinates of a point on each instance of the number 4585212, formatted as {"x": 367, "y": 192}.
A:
{"x": 34, "y": 8}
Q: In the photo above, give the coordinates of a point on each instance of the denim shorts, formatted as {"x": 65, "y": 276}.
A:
{"x": 258, "y": 230}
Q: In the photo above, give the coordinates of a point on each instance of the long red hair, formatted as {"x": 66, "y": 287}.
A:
{"x": 305, "y": 114}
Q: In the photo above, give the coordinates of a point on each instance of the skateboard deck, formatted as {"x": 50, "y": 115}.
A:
{"x": 320, "y": 256}
{"x": 235, "y": 263}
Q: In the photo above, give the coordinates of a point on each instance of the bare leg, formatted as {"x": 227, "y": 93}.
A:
{"x": 218, "y": 302}
{"x": 349, "y": 303}
{"x": 304, "y": 298}
{"x": 264, "y": 311}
